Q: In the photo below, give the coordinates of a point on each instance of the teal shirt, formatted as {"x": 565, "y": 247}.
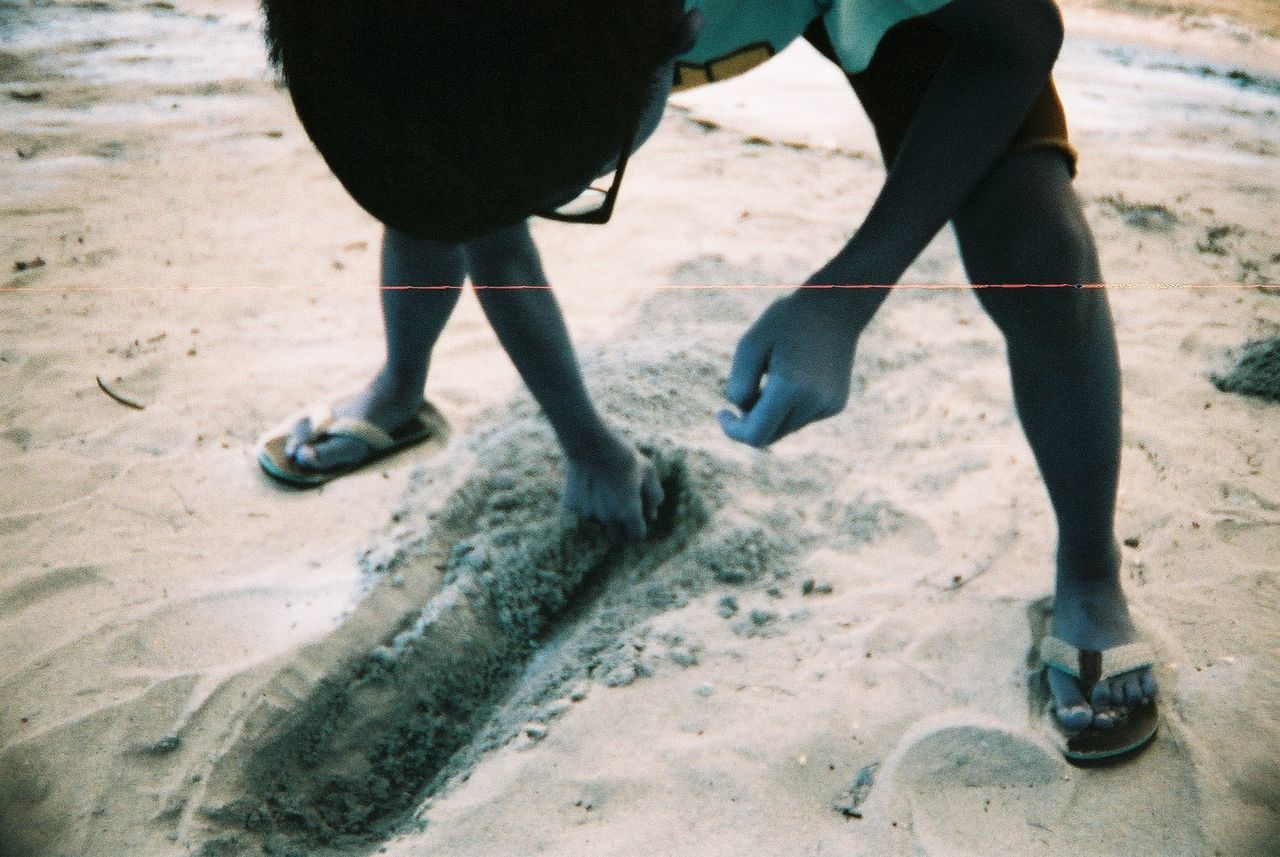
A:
{"x": 741, "y": 34}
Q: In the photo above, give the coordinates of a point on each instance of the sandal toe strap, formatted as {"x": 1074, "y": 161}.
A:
{"x": 362, "y": 430}
{"x": 1104, "y": 664}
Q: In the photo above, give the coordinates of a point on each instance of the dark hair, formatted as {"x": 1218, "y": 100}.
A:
{"x": 449, "y": 119}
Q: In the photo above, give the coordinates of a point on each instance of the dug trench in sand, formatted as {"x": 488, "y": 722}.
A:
{"x": 359, "y": 752}
{"x": 521, "y": 580}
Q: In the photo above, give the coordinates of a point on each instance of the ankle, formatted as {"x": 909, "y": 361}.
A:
{"x": 1090, "y": 595}
{"x": 398, "y": 383}
{"x": 1089, "y": 564}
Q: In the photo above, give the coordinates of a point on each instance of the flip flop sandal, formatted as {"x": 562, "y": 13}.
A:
{"x": 1137, "y": 725}
{"x": 427, "y": 423}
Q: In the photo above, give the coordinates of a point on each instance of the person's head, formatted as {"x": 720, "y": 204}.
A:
{"x": 449, "y": 119}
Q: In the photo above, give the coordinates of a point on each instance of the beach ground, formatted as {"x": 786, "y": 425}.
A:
{"x": 824, "y": 650}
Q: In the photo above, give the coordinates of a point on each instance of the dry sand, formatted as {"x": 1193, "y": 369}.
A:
{"x": 824, "y": 648}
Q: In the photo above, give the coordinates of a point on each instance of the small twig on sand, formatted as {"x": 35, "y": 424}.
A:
{"x": 129, "y": 403}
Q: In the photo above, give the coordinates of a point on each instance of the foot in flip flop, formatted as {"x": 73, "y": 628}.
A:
{"x": 326, "y": 442}
{"x": 1098, "y": 674}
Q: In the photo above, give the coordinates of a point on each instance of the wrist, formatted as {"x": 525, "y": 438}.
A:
{"x": 851, "y": 305}
{"x": 593, "y": 443}
{"x": 876, "y": 255}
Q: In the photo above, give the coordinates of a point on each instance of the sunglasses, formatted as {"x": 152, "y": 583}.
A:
{"x": 595, "y": 205}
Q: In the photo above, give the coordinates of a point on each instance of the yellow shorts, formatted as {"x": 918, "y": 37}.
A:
{"x": 904, "y": 65}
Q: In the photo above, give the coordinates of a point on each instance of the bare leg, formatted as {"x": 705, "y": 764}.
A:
{"x": 605, "y": 479}
{"x": 1024, "y": 225}
{"x": 413, "y": 320}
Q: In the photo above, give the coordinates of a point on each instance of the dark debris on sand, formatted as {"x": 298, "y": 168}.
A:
{"x": 1256, "y": 371}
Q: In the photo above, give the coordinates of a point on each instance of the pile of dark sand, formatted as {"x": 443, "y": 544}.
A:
{"x": 1256, "y": 371}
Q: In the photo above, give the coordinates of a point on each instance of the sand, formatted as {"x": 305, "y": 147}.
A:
{"x": 824, "y": 648}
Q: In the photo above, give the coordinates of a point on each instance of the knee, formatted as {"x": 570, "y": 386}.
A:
{"x": 1053, "y": 247}
{"x": 1052, "y": 319}
{"x": 505, "y": 258}
{"x": 1024, "y": 224}
{"x": 407, "y": 260}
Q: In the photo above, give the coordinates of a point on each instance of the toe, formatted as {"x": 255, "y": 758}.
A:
{"x": 1149, "y": 686}
{"x": 300, "y": 434}
{"x": 1075, "y": 716}
{"x": 1120, "y": 693}
{"x": 1133, "y": 688}
{"x": 1105, "y": 718}
{"x": 1070, "y": 706}
{"x": 330, "y": 453}
{"x": 1101, "y": 698}
{"x": 304, "y": 456}
{"x": 1109, "y": 705}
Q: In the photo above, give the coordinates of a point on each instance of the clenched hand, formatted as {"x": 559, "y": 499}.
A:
{"x": 791, "y": 368}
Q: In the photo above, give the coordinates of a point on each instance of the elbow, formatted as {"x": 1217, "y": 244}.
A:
{"x": 1049, "y": 27}
{"x": 1033, "y": 34}
{"x": 1022, "y": 34}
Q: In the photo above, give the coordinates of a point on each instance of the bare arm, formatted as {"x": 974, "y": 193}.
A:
{"x": 804, "y": 343}
{"x": 531, "y": 329}
{"x": 605, "y": 479}
{"x": 1003, "y": 53}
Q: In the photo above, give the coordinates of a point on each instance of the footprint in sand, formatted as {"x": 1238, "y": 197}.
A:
{"x": 959, "y": 785}
{"x": 1245, "y": 519}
